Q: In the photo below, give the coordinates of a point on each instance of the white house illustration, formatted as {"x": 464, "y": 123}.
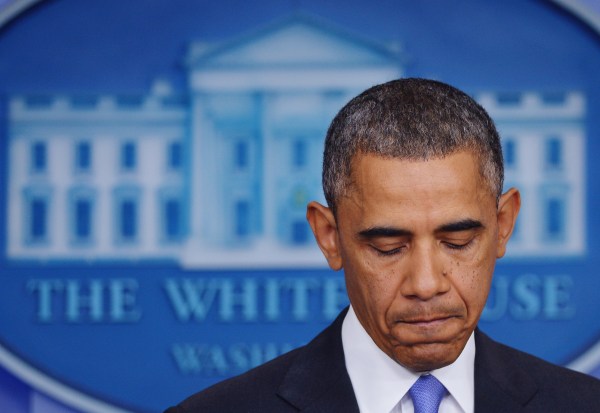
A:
{"x": 219, "y": 177}
{"x": 543, "y": 139}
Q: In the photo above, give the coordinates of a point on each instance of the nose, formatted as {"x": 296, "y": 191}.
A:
{"x": 425, "y": 277}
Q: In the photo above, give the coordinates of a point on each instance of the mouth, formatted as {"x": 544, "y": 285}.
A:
{"x": 422, "y": 327}
{"x": 428, "y": 326}
{"x": 428, "y": 321}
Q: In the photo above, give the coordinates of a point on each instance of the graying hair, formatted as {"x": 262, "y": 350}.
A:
{"x": 410, "y": 119}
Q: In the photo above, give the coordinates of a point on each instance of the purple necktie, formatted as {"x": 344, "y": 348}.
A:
{"x": 427, "y": 394}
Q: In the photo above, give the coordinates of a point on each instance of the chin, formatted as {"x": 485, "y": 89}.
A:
{"x": 432, "y": 357}
{"x": 423, "y": 366}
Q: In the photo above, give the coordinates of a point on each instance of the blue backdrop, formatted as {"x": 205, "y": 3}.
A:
{"x": 158, "y": 156}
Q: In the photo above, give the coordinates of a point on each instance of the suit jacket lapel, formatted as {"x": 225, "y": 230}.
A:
{"x": 317, "y": 380}
{"x": 501, "y": 385}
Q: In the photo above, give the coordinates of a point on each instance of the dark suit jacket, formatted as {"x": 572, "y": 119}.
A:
{"x": 314, "y": 379}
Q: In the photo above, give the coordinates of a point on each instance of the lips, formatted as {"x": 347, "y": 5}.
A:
{"x": 422, "y": 315}
{"x": 427, "y": 320}
{"x": 426, "y": 329}
{"x": 419, "y": 325}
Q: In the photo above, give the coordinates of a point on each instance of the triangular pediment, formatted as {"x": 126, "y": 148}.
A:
{"x": 296, "y": 41}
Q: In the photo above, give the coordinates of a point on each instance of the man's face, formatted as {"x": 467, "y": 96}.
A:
{"x": 418, "y": 241}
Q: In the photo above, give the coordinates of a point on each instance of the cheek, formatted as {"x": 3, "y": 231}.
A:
{"x": 473, "y": 283}
{"x": 374, "y": 289}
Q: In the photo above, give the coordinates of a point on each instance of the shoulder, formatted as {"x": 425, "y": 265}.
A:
{"x": 542, "y": 381}
{"x": 253, "y": 391}
{"x": 542, "y": 370}
{"x": 294, "y": 379}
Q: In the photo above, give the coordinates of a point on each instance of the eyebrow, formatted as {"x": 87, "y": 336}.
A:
{"x": 462, "y": 225}
{"x": 384, "y": 232}
{"x": 390, "y": 232}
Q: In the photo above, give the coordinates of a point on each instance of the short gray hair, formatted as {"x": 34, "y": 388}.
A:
{"x": 412, "y": 119}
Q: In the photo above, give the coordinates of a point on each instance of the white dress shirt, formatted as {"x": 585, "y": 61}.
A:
{"x": 381, "y": 385}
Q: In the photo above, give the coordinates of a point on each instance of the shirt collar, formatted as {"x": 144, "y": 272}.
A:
{"x": 379, "y": 382}
{"x": 459, "y": 377}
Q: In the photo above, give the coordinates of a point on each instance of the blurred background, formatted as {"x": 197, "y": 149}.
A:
{"x": 157, "y": 158}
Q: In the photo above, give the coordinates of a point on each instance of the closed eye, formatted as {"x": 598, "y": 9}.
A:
{"x": 459, "y": 245}
{"x": 387, "y": 252}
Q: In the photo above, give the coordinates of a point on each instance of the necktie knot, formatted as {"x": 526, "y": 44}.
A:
{"x": 427, "y": 394}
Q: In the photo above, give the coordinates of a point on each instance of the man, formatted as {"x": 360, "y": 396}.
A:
{"x": 416, "y": 218}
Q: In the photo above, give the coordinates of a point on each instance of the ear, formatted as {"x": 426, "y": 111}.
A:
{"x": 508, "y": 209}
{"x": 324, "y": 227}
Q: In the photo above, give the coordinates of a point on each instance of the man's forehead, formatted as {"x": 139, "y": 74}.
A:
{"x": 360, "y": 157}
{"x": 370, "y": 164}
{"x": 411, "y": 179}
